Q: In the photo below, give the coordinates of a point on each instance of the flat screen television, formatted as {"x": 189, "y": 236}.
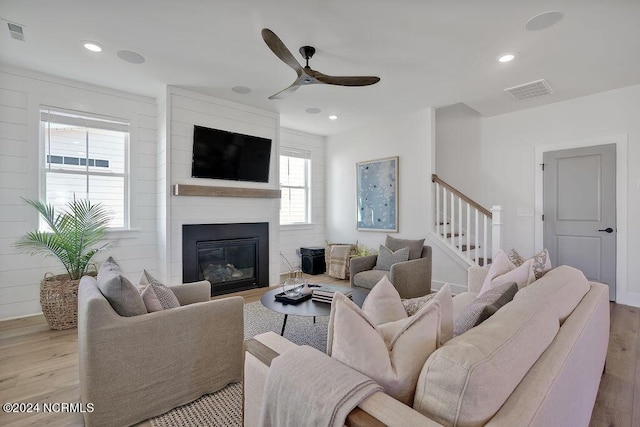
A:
{"x": 219, "y": 154}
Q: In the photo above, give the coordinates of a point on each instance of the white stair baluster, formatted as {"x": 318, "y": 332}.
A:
{"x": 452, "y": 241}
{"x": 476, "y": 251}
{"x": 460, "y": 223}
{"x": 438, "y": 228}
{"x": 485, "y": 242}
{"x": 444, "y": 216}
{"x": 468, "y": 231}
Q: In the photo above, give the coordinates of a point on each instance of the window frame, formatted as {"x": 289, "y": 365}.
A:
{"x": 305, "y": 155}
{"x": 45, "y": 167}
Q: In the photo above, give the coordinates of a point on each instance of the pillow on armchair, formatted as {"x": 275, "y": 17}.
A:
{"x": 415, "y": 246}
{"x": 387, "y": 257}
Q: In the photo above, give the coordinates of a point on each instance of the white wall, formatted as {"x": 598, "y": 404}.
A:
{"x": 187, "y": 109}
{"x": 22, "y": 93}
{"x": 293, "y": 237}
{"x": 458, "y": 148}
{"x": 509, "y": 142}
{"x": 410, "y": 137}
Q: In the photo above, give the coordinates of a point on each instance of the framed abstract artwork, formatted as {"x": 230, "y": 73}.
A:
{"x": 377, "y": 195}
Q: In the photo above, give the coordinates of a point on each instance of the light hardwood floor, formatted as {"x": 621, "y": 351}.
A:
{"x": 38, "y": 364}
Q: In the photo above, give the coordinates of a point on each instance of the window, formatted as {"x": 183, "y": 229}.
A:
{"x": 295, "y": 175}
{"x": 86, "y": 157}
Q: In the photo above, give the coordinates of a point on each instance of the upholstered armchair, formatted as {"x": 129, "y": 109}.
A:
{"x": 135, "y": 368}
{"x": 411, "y": 278}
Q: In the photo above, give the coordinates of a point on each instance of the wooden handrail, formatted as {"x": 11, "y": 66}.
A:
{"x": 435, "y": 178}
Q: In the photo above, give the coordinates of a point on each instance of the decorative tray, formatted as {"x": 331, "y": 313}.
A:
{"x": 291, "y": 300}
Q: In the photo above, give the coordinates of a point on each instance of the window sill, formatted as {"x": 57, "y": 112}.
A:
{"x": 306, "y": 226}
{"x": 122, "y": 233}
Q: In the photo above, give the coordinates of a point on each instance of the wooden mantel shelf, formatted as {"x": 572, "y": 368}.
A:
{"x": 208, "y": 191}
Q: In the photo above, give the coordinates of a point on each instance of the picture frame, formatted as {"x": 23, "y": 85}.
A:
{"x": 377, "y": 195}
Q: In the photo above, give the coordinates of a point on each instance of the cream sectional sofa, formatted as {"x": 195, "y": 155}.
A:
{"x": 537, "y": 361}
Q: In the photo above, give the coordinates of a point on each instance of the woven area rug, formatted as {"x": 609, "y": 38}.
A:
{"x": 224, "y": 407}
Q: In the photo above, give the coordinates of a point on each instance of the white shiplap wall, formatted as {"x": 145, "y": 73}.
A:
{"x": 22, "y": 93}
{"x": 293, "y": 237}
{"x": 187, "y": 109}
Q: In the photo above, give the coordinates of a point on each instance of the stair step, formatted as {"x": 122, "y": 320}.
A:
{"x": 449, "y": 235}
{"x": 481, "y": 261}
{"x": 442, "y": 223}
{"x": 463, "y": 248}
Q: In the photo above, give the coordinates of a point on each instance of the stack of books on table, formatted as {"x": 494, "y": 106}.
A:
{"x": 325, "y": 293}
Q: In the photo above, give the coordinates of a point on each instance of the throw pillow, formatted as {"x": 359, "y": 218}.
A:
{"x": 483, "y": 307}
{"x": 150, "y": 298}
{"x": 383, "y": 304}
{"x": 412, "y": 305}
{"x": 415, "y": 246}
{"x": 392, "y": 354}
{"x": 118, "y": 290}
{"x": 165, "y": 295}
{"x": 503, "y": 271}
{"x": 386, "y": 257}
{"x": 541, "y": 261}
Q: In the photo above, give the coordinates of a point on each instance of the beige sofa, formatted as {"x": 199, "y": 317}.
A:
{"x": 537, "y": 361}
{"x": 134, "y": 368}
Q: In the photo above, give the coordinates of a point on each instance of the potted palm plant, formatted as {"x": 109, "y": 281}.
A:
{"x": 75, "y": 235}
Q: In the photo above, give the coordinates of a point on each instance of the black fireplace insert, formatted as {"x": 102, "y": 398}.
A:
{"x": 233, "y": 257}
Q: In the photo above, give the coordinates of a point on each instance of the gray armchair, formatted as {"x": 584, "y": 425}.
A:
{"x": 135, "y": 368}
{"x": 411, "y": 278}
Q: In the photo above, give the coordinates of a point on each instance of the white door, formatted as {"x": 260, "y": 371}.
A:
{"x": 580, "y": 211}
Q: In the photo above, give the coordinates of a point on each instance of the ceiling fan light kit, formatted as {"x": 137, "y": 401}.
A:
{"x": 307, "y": 75}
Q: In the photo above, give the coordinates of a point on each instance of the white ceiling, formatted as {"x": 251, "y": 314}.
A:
{"x": 427, "y": 53}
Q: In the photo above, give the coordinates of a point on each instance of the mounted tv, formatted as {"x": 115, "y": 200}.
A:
{"x": 219, "y": 154}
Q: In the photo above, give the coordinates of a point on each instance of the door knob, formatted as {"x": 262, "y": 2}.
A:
{"x": 608, "y": 230}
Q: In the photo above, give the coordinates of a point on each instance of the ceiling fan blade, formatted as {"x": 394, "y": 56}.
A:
{"x": 281, "y": 51}
{"x": 286, "y": 92}
{"x": 344, "y": 80}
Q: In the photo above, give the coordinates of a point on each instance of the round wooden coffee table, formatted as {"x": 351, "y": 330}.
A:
{"x": 308, "y": 308}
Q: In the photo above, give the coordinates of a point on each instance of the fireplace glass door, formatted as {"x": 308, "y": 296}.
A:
{"x": 224, "y": 261}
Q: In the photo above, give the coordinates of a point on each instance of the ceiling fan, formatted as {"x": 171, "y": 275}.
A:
{"x": 306, "y": 75}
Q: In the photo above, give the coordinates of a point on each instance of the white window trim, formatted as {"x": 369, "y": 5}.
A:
{"x": 127, "y": 231}
{"x": 302, "y": 154}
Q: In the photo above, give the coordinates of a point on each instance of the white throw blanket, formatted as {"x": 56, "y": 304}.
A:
{"x": 339, "y": 261}
{"x": 291, "y": 400}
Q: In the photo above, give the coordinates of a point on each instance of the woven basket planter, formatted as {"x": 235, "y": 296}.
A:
{"x": 59, "y": 300}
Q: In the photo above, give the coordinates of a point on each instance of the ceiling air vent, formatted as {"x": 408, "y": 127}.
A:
{"x": 15, "y": 31}
{"x": 530, "y": 90}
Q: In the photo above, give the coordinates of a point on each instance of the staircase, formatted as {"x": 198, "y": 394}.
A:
{"x": 470, "y": 230}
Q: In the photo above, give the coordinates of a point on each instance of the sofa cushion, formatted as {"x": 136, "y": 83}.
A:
{"x": 483, "y": 307}
{"x": 383, "y": 304}
{"x": 393, "y": 353}
{"x": 415, "y": 246}
{"x": 387, "y": 257}
{"x": 466, "y": 381}
{"x": 118, "y": 290}
{"x": 368, "y": 279}
{"x": 563, "y": 288}
{"x": 165, "y": 295}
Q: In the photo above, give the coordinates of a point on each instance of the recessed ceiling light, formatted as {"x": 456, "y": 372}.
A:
{"x": 333, "y": 117}
{"x": 313, "y": 110}
{"x": 92, "y": 46}
{"x": 543, "y": 20}
{"x": 131, "y": 57}
{"x": 243, "y": 90}
{"x": 506, "y": 57}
